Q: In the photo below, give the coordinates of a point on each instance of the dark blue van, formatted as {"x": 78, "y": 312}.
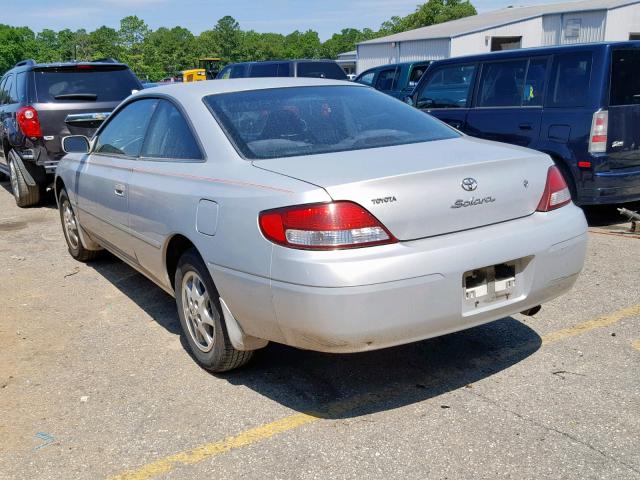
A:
{"x": 579, "y": 103}
{"x": 396, "y": 79}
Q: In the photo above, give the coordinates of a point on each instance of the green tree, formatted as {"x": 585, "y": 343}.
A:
{"x": 47, "y": 48}
{"x": 131, "y": 37}
{"x": 227, "y": 35}
{"x": 104, "y": 43}
{"x": 169, "y": 51}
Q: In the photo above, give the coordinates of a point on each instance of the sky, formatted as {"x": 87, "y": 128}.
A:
{"x": 281, "y": 16}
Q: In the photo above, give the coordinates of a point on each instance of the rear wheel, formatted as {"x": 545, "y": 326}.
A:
{"x": 201, "y": 317}
{"x": 24, "y": 194}
{"x": 71, "y": 229}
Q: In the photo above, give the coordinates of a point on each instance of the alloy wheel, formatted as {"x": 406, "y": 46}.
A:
{"x": 197, "y": 310}
{"x": 70, "y": 225}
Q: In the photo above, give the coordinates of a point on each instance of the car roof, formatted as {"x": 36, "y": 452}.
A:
{"x": 212, "y": 87}
{"x": 262, "y": 62}
{"x": 400, "y": 64}
{"x": 522, "y": 52}
{"x": 28, "y": 65}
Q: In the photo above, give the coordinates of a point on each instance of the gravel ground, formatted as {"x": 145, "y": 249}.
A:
{"x": 95, "y": 382}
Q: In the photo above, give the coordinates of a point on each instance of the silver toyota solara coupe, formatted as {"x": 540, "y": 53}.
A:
{"x": 319, "y": 214}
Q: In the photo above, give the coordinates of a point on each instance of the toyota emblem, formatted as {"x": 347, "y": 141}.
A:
{"x": 469, "y": 184}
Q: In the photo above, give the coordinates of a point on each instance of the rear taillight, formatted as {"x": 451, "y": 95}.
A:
{"x": 599, "y": 128}
{"x": 556, "y": 192}
{"x": 29, "y": 122}
{"x": 324, "y": 226}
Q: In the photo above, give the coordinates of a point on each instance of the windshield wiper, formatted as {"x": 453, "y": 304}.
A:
{"x": 78, "y": 96}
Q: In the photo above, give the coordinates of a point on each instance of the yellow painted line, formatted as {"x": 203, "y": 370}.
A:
{"x": 209, "y": 450}
{"x": 263, "y": 432}
{"x": 636, "y": 344}
{"x": 601, "y": 322}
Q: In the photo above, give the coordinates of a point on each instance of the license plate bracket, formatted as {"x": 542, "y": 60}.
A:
{"x": 490, "y": 284}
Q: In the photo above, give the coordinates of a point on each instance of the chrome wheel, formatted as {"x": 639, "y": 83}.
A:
{"x": 70, "y": 225}
{"x": 197, "y": 310}
{"x": 14, "y": 179}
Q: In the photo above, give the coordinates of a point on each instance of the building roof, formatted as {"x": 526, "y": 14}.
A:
{"x": 496, "y": 18}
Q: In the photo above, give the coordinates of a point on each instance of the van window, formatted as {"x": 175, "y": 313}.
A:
{"x": 570, "y": 79}
{"x": 264, "y": 70}
{"x": 625, "y": 81}
{"x": 386, "y": 79}
{"x": 321, "y": 70}
{"x": 416, "y": 74}
{"x": 8, "y": 91}
{"x": 534, "y": 85}
{"x": 226, "y": 73}
{"x": 448, "y": 87}
{"x": 502, "y": 83}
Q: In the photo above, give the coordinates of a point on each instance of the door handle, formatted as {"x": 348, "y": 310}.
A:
{"x": 119, "y": 190}
{"x": 525, "y": 126}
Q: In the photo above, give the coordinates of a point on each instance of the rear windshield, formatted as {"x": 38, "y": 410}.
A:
{"x": 284, "y": 122}
{"x": 625, "y": 80}
{"x": 321, "y": 70}
{"x": 84, "y": 85}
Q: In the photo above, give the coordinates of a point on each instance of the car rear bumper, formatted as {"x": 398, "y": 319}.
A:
{"x": 615, "y": 186}
{"x": 414, "y": 289}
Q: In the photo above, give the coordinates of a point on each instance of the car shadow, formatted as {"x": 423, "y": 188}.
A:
{"x": 608, "y": 215}
{"x": 349, "y": 385}
{"x": 48, "y": 200}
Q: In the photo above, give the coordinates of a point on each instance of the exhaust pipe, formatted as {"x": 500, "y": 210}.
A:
{"x": 530, "y": 312}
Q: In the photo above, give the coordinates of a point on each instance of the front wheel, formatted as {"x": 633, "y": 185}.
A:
{"x": 201, "y": 317}
{"x": 71, "y": 229}
{"x": 24, "y": 194}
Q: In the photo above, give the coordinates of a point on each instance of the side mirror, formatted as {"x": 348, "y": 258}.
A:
{"x": 75, "y": 144}
{"x": 408, "y": 100}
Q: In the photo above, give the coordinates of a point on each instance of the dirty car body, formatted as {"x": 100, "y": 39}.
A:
{"x": 330, "y": 216}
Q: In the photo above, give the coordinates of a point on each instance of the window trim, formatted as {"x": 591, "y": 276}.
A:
{"x": 182, "y": 113}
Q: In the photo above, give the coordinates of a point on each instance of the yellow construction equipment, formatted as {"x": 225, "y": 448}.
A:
{"x": 207, "y": 70}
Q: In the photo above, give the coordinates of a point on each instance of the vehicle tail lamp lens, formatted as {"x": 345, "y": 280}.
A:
{"x": 556, "y": 192}
{"x": 324, "y": 226}
{"x": 599, "y": 128}
{"x": 29, "y": 122}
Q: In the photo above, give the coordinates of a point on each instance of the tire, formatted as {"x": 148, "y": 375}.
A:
{"x": 70, "y": 227}
{"x": 24, "y": 194}
{"x": 201, "y": 317}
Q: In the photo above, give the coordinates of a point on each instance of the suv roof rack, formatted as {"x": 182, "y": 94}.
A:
{"x": 105, "y": 60}
{"x": 30, "y": 61}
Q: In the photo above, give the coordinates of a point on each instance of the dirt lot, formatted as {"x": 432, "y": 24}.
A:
{"x": 95, "y": 382}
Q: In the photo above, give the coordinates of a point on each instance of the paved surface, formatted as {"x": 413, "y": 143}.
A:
{"x": 95, "y": 383}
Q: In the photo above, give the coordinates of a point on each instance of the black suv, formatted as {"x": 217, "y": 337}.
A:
{"x": 42, "y": 103}
{"x": 284, "y": 68}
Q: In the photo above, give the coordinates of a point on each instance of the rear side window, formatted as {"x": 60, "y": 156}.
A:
{"x": 386, "y": 79}
{"x": 625, "y": 77}
{"x": 84, "y": 83}
{"x": 8, "y": 95}
{"x": 502, "y": 84}
{"x": 416, "y": 74}
{"x": 124, "y": 133}
{"x": 321, "y": 70}
{"x": 448, "y": 87}
{"x": 169, "y": 135}
{"x": 21, "y": 87}
{"x": 570, "y": 79}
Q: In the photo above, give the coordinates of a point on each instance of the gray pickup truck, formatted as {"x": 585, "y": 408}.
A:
{"x": 42, "y": 103}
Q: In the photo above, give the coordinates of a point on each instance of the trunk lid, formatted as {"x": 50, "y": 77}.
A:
{"x": 417, "y": 190}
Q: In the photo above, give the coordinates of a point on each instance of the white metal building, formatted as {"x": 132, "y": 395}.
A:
{"x": 514, "y": 27}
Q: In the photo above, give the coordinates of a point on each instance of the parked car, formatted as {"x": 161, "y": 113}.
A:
{"x": 284, "y": 68}
{"x": 580, "y": 104}
{"x": 396, "y": 79}
{"x": 271, "y": 210}
{"x": 41, "y": 103}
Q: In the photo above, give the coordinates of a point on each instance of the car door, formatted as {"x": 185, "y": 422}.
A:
{"x": 508, "y": 106}
{"x": 161, "y": 198}
{"x": 102, "y": 186}
{"x": 446, "y": 93}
